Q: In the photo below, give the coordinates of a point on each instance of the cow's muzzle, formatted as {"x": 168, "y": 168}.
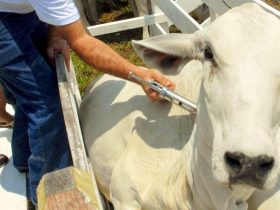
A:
{"x": 248, "y": 170}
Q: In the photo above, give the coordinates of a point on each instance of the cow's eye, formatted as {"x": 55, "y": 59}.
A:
{"x": 208, "y": 54}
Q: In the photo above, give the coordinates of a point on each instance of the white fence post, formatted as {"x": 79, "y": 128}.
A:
{"x": 181, "y": 19}
{"x": 213, "y": 15}
{"x": 159, "y": 28}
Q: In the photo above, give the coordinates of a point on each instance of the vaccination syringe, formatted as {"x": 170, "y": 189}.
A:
{"x": 167, "y": 94}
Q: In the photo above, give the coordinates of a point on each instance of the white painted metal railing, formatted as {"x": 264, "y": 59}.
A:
{"x": 177, "y": 13}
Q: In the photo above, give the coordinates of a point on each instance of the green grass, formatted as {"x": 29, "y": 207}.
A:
{"x": 85, "y": 73}
{"x": 125, "y": 49}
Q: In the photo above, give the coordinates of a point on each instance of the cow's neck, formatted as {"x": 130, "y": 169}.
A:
{"x": 169, "y": 190}
{"x": 207, "y": 193}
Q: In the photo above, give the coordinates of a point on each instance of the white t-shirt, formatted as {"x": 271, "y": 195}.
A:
{"x": 54, "y": 12}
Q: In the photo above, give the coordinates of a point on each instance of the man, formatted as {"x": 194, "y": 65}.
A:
{"x": 27, "y": 75}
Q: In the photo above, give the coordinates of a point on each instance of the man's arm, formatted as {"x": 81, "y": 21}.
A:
{"x": 103, "y": 58}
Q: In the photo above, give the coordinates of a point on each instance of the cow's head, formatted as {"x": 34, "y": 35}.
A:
{"x": 240, "y": 92}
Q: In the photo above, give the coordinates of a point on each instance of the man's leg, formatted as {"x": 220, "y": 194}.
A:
{"x": 20, "y": 141}
{"x": 31, "y": 81}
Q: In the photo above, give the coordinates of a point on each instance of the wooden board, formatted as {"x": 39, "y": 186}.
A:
{"x": 61, "y": 189}
{"x": 67, "y": 189}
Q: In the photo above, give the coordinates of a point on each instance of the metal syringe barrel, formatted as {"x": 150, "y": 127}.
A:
{"x": 167, "y": 94}
{"x": 174, "y": 97}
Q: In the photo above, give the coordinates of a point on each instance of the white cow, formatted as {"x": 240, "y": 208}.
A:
{"x": 154, "y": 156}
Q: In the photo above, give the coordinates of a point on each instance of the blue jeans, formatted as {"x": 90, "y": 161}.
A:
{"x": 39, "y": 141}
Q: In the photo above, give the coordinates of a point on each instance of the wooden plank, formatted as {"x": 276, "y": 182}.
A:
{"x": 127, "y": 24}
{"x": 70, "y": 117}
{"x": 66, "y": 189}
{"x": 73, "y": 85}
{"x": 178, "y": 16}
{"x": 61, "y": 197}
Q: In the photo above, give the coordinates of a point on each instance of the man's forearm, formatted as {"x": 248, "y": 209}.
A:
{"x": 95, "y": 52}
{"x": 53, "y": 33}
{"x": 103, "y": 57}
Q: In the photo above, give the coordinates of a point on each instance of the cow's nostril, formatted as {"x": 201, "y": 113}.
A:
{"x": 234, "y": 161}
{"x": 265, "y": 164}
{"x": 249, "y": 170}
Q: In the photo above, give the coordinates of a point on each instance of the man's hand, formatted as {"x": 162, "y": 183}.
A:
{"x": 57, "y": 44}
{"x": 152, "y": 74}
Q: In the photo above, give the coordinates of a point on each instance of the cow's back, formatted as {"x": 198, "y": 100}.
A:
{"x": 128, "y": 136}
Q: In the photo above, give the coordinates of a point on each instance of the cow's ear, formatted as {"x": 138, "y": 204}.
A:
{"x": 167, "y": 53}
